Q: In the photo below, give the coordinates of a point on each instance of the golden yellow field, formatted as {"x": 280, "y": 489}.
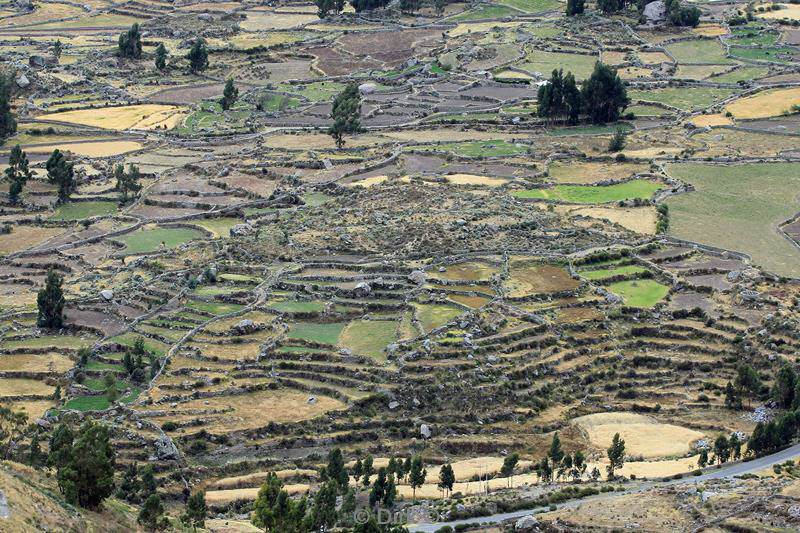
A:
{"x": 49, "y": 362}
{"x": 716, "y": 119}
{"x": 23, "y": 237}
{"x": 144, "y": 117}
{"x": 472, "y": 179}
{"x": 591, "y": 172}
{"x": 643, "y": 435}
{"x": 257, "y": 478}
{"x": 219, "y": 497}
{"x": 269, "y": 20}
{"x": 35, "y": 409}
{"x": 765, "y": 104}
{"x": 638, "y": 219}
{"x": 791, "y": 11}
{"x": 17, "y": 387}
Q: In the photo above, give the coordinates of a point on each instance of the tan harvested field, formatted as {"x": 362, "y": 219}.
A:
{"x": 18, "y": 387}
{"x": 49, "y": 362}
{"x": 220, "y": 497}
{"x": 643, "y": 435}
{"x": 259, "y": 409}
{"x": 710, "y": 29}
{"x": 791, "y": 11}
{"x": 23, "y": 237}
{"x": 257, "y": 478}
{"x": 716, "y": 119}
{"x": 771, "y": 103}
{"x": 449, "y": 135}
{"x": 472, "y": 179}
{"x": 638, "y": 219}
{"x": 592, "y": 172}
{"x": 528, "y": 279}
{"x": 143, "y": 117}
{"x": 35, "y": 409}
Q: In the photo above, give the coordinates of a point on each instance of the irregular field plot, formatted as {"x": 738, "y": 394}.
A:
{"x": 145, "y": 116}
{"x": 368, "y": 337}
{"x": 638, "y": 219}
{"x": 92, "y": 149}
{"x": 50, "y": 362}
{"x": 683, "y": 97}
{"x": 22, "y": 387}
{"x": 585, "y": 173}
{"x": 22, "y": 237}
{"x": 434, "y": 316}
{"x": 739, "y": 207}
{"x": 765, "y": 104}
{"x": 611, "y": 272}
{"x": 541, "y": 61}
{"x": 580, "y": 194}
{"x": 643, "y": 435}
{"x": 149, "y": 240}
{"x": 700, "y": 51}
{"x": 472, "y": 271}
{"x": 81, "y": 210}
{"x": 639, "y": 293}
{"x": 527, "y": 279}
{"x": 321, "y": 333}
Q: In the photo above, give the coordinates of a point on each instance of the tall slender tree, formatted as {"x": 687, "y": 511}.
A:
{"x": 61, "y": 172}
{"x": 8, "y": 124}
{"x": 130, "y": 43}
{"x": 604, "y": 95}
{"x": 161, "y": 56}
{"x": 198, "y": 56}
{"x": 17, "y": 173}
{"x": 616, "y": 455}
{"x": 50, "y": 302}
{"x": 229, "y": 95}
{"x": 346, "y": 114}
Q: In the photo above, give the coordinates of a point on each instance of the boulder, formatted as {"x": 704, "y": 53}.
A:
{"x": 367, "y": 88}
{"x": 425, "y": 431}
{"x": 655, "y": 11}
{"x": 418, "y": 276}
{"x": 107, "y": 294}
{"x": 242, "y": 230}
{"x": 362, "y": 289}
{"x": 165, "y": 449}
{"x": 22, "y": 81}
{"x": 526, "y": 523}
{"x": 394, "y": 404}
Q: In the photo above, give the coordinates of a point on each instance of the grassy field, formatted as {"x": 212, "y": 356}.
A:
{"x": 739, "y": 207}
{"x": 591, "y": 172}
{"x": 682, "y": 97}
{"x": 145, "y": 117}
{"x": 149, "y": 240}
{"x": 215, "y": 308}
{"x": 369, "y": 337}
{"x": 581, "y": 194}
{"x": 700, "y": 51}
{"x": 321, "y": 333}
{"x": 640, "y": 293}
{"x": 532, "y": 6}
{"x": 744, "y": 73}
{"x": 433, "y": 316}
{"x": 485, "y": 12}
{"x": 81, "y": 210}
{"x": 611, "y": 272}
{"x": 478, "y": 148}
{"x": 542, "y": 61}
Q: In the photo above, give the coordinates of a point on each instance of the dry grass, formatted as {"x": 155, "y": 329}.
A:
{"x": 472, "y": 179}
{"x": 710, "y": 29}
{"x": 257, "y": 409}
{"x": 638, "y": 219}
{"x": 23, "y": 237}
{"x": 256, "y": 479}
{"x": 643, "y": 435}
{"x": 445, "y": 135}
{"x": 143, "y": 117}
{"x": 18, "y": 387}
{"x": 654, "y": 57}
{"x": 717, "y": 119}
{"x": 536, "y": 278}
{"x": 220, "y": 497}
{"x": 225, "y": 525}
{"x": 35, "y": 409}
{"x": 49, "y": 362}
{"x": 368, "y": 182}
{"x": 480, "y": 27}
{"x": 791, "y": 11}
{"x": 766, "y": 103}
{"x": 592, "y": 172}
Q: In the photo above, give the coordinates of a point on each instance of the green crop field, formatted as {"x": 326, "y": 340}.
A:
{"x": 739, "y": 207}
{"x": 545, "y": 62}
{"x": 150, "y": 240}
{"x": 581, "y": 194}
{"x": 215, "y": 308}
{"x": 313, "y": 332}
{"x": 611, "y": 272}
{"x": 369, "y": 337}
{"x": 744, "y": 73}
{"x": 700, "y": 51}
{"x": 485, "y": 12}
{"x": 433, "y": 316}
{"x": 643, "y": 293}
{"x": 532, "y": 6}
{"x": 81, "y": 210}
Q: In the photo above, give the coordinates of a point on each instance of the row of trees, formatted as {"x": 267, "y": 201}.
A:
{"x": 61, "y": 172}
{"x": 602, "y": 97}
